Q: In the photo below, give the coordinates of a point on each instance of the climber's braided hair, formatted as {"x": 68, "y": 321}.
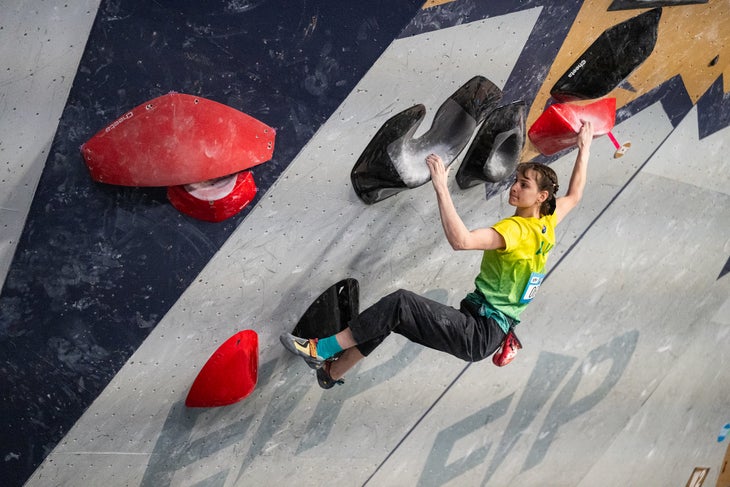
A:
{"x": 546, "y": 180}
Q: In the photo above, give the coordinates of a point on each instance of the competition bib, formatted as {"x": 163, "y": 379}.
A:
{"x": 533, "y": 284}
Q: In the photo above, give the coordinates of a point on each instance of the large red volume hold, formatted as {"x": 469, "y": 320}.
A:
{"x": 229, "y": 375}
{"x": 177, "y": 139}
{"x": 558, "y": 126}
{"x": 214, "y": 200}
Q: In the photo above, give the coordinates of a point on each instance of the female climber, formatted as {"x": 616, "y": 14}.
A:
{"x": 515, "y": 250}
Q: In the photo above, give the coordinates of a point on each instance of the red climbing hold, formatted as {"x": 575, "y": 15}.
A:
{"x": 229, "y": 375}
{"x": 558, "y": 126}
{"x": 177, "y": 139}
{"x": 214, "y": 200}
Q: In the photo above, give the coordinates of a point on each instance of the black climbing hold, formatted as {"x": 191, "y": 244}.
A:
{"x": 331, "y": 312}
{"x": 633, "y": 4}
{"x": 611, "y": 58}
{"x": 495, "y": 151}
{"x": 394, "y": 160}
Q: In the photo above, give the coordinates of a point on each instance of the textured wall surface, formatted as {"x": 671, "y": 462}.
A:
{"x": 113, "y": 300}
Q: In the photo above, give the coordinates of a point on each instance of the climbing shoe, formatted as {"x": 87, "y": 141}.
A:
{"x": 324, "y": 378}
{"x": 306, "y": 348}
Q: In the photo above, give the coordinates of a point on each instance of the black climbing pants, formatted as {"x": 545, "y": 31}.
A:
{"x": 462, "y": 332}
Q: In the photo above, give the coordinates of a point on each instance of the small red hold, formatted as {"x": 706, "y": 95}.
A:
{"x": 214, "y": 200}
{"x": 229, "y": 375}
